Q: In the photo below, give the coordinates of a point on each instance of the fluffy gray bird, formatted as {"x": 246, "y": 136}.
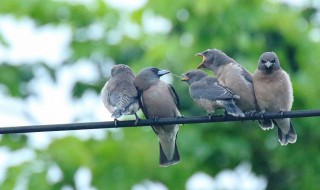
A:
{"x": 119, "y": 95}
{"x": 273, "y": 90}
{"x": 159, "y": 100}
{"x": 232, "y": 75}
{"x": 209, "y": 94}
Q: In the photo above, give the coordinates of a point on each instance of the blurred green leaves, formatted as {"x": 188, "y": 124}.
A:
{"x": 15, "y": 78}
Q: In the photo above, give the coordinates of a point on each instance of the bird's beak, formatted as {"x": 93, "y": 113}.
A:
{"x": 184, "y": 77}
{"x": 268, "y": 64}
{"x": 199, "y": 54}
{"x": 162, "y": 72}
{"x": 203, "y": 59}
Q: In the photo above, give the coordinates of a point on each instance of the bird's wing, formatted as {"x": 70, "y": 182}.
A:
{"x": 144, "y": 108}
{"x": 120, "y": 100}
{"x": 231, "y": 93}
{"x": 175, "y": 96}
{"x": 122, "y": 93}
{"x": 210, "y": 90}
{"x": 247, "y": 75}
{"x": 141, "y": 103}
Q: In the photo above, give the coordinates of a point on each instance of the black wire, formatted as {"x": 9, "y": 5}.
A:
{"x": 160, "y": 121}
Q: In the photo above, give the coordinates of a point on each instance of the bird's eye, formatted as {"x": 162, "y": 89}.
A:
{"x": 154, "y": 70}
{"x": 273, "y": 60}
{"x": 112, "y": 73}
{"x": 263, "y": 61}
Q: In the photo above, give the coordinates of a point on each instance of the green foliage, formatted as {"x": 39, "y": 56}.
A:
{"x": 13, "y": 141}
{"x": 242, "y": 29}
{"x": 11, "y": 74}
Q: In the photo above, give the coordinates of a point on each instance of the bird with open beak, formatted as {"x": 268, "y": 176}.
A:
{"x": 209, "y": 94}
{"x": 274, "y": 93}
{"x": 231, "y": 75}
{"x": 119, "y": 95}
{"x": 159, "y": 100}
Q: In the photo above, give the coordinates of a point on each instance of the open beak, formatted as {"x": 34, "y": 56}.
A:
{"x": 162, "y": 72}
{"x": 184, "y": 77}
{"x": 203, "y": 59}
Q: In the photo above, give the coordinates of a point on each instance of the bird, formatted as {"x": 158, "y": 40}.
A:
{"x": 232, "y": 75}
{"x": 159, "y": 100}
{"x": 119, "y": 95}
{"x": 209, "y": 94}
{"x": 274, "y": 93}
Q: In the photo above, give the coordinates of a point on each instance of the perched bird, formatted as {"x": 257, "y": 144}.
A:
{"x": 209, "y": 94}
{"x": 273, "y": 90}
{"x": 159, "y": 100}
{"x": 119, "y": 95}
{"x": 232, "y": 75}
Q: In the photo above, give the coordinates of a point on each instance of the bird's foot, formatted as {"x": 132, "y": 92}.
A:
{"x": 180, "y": 116}
{"x": 281, "y": 112}
{"x": 155, "y": 118}
{"x": 210, "y": 116}
{"x": 252, "y": 112}
{"x": 137, "y": 119}
{"x": 262, "y": 114}
{"x": 115, "y": 122}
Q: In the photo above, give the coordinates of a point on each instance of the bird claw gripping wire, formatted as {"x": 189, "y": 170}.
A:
{"x": 281, "y": 112}
{"x": 181, "y": 117}
{"x": 115, "y": 122}
{"x": 252, "y": 112}
{"x": 155, "y": 118}
{"x": 137, "y": 119}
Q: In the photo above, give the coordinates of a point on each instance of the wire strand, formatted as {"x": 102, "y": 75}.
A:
{"x": 160, "y": 121}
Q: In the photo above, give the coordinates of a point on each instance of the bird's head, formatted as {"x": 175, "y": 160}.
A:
{"x": 212, "y": 59}
{"x": 120, "y": 69}
{"x": 149, "y": 76}
{"x": 207, "y": 58}
{"x": 193, "y": 76}
{"x": 268, "y": 62}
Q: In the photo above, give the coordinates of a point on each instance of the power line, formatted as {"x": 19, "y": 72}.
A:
{"x": 160, "y": 121}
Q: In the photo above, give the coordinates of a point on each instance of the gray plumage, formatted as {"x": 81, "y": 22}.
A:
{"x": 209, "y": 94}
{"x": 273, "y": 90}
{"x": 159, "y": 100}
{"x": 119, "y": 95}
{"x": 232, "y": 75}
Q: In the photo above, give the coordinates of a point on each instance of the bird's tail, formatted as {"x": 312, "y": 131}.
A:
{"x": 164, "y": 161}
{"x": 266, "y": 124}
{"x": 232, "y": 108}
{"x": 286, "y": 132}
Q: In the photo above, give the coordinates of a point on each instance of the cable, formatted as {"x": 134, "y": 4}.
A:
{"x": 160, "y": 121}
